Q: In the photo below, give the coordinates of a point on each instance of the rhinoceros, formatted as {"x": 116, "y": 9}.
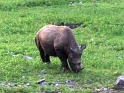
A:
{"x": 59, "y": 41}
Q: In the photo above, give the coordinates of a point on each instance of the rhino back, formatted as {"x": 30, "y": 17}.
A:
{"x": 52, "y": 38}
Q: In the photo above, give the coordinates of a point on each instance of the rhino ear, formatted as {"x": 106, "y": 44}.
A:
{"x": 83, "y": 47}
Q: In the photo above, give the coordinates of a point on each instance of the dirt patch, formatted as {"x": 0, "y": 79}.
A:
{"x": 106, "y": 90}
{"x": 71, "y": 25}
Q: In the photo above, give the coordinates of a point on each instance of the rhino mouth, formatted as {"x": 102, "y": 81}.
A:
{"x": 76, "y": 71}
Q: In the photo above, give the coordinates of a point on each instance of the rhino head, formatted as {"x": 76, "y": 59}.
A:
{"x": 74, "y": 58}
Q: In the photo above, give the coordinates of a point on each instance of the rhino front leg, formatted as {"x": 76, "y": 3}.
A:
{"x": 63, "y": 59}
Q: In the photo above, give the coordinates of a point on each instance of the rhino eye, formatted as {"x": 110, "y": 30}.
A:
{"x": 78, "y": 63}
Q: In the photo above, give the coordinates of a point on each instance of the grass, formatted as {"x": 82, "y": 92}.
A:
{"x": 102, "y": 31}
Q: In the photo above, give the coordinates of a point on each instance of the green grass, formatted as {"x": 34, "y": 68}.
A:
{"x": 103, "y": 34}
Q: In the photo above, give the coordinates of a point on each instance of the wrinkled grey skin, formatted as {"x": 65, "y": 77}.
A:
{"x": 59, "y": 41}
{"x": 74, "y": 59}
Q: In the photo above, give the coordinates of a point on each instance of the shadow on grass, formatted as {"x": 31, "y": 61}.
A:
{"x": 71, "y": 25}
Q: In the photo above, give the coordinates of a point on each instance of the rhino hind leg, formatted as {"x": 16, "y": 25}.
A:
{"x": 63, "y": 59}
{"x": 45, "y": 58}
{"x": 42, "y": 55}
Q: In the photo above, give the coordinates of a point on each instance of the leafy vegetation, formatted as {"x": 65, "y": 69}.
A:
{"x": 101, "y": 28}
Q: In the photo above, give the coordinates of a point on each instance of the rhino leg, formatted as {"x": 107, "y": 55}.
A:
{"x": 45, "y": 58}
{"x": 42, "y": 55}
{"x": 63, "y": 59}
